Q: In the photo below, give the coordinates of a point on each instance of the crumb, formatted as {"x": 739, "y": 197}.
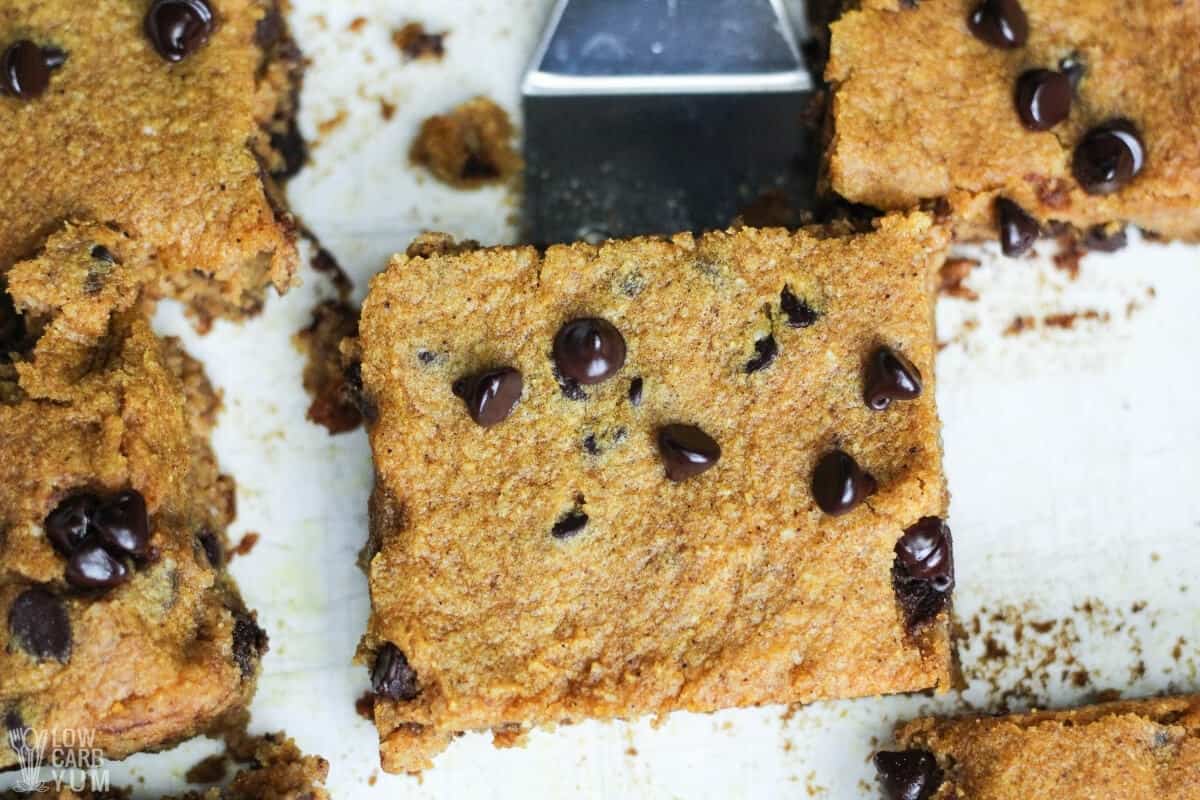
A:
{"x": 509, "y": 736}
{"x": 243, "y": 547}
{"x": 374, "y": 778}
{"x": 1138, "y": 606}
{"x": 952, "y": 275}
{"x": 208, "y": 770}
{"x": 1069, "y": 255}
{"x": 324, "y": 375}
{"x": 468, "y": 147}
{"x": 357, "y": 24}
{"x": 1066, "y": 321}
{"x": 417, "y": 44}
{"x": 386, "y": 110}
{"x": 365, "y": 706}
{"x": 1019, "y": 324}
{"x": 631, "y": 752}
{"x": 333, "y": 123}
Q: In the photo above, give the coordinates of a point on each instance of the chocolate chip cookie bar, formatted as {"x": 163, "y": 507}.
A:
{"x": 656, "y": 474}
{"x": 1133, "y": 750}
{"x": 162, "y": 119}
{"x": 1020, "y": 114}
{"x": 118, "y": 620}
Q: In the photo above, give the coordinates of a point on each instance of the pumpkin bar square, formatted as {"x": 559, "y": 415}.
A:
{"x": 655, "y": 474}
{"x": 119, "y": 624}
{"x": 168, "y": 120}
{"x": 1021, "y": 115}
{"x": 1133, "y": 749}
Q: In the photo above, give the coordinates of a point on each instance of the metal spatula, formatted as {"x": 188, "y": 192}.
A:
{"x": 656, "y": 116}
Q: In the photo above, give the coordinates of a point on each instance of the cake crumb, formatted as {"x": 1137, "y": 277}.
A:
{"x": 374, "y": 778}
{"x": 386, "y": 110}
{"x": 208, "y": 770}
{"x": 365, "y": 706}
{"x": 324, "y": 377}
{"x": 328, "y": 126}
{"x": 418, "y": 44}
{"x": 357, "y": 24}
{"x": 245, "y": 545}
{"x": 1019, "y": 324}
{"x": 952, "y": 275}
{"x": 1069, "y": 255}
{"x": 468, "y": 147}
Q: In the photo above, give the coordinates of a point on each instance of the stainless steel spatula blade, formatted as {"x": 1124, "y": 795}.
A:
{"x": 656, "y": 116}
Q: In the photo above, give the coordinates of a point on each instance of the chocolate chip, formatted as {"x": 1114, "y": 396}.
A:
{"x": 93, "y": 567}
{"x": 102, "y": 253}
{"x": 839, "y": 485}
{"x": 1108, "y": 157}
{"x": 1018, "y": 230}
{"x": 799, "y": 314}
{"x": 890, "y": 376}
{"x": 1105, "y": 238}
{"x": 291, "y": 147}
{"x": 1043, "y": 98}
{"x": 1073, "y": 67}
{"x": 123, "y": 524}
{"x": 249, "y": 642}
{"x": 1000, "y": 23}
{"x": 23, "y": 70}
{"x": 269, "y": 30}
{"x": 178, "y": 28}
{"x": 71, "y": 523}
{"x": 765, "y": 351}
{"x": 54, "y": 57}
{"x": 426, "y": 357}
{"x": 635, "y": 392}
{"x": 211, "y": 544}
{"x": 391, "y": 676}
{"x": 39, "y": 624}
{"x": 923, "y": 572}
{"x": 569, "y": 525}
{"x": 908, "y": 774}
{"x": 589, "y": 444}
{"x": 589, "y": 350}
{"x": 490, "y": 396}
{"x": 686, "y": 451}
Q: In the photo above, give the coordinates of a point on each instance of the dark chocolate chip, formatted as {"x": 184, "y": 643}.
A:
{"x": 490, "y": 396}
{"x": 54, "y": 57}
{"x": 1073, "y": 67}
{"x": 890, "y": 376}
{"x": 765, "y": 351}
{"x": 1000, "y": 23}
{"x": 23, "y": 70}
{"x": 923, "y": 571}
{"x": 270, "y": 29}
{"x": 839, "y": 485}
{"x": 426, "y": 357}
{"x": 1018, "y": 230}
{"x": 391, "y": 676}
{"x": 569, "y": 525}
{"x": 211, "y": 544}
{"x": 1043, "y": 98}
{"x": 1108, "y": 157}
{"x": 178, "y": 28}
{"x": 39, "y": 624}
{"x": 908, "y": 774}
{"x": 102, "y": 253}
{"x": 635, "y": 392}
{"x": 589, "y": 444}
{"x": 93, "y": 567}
{"x": 249, "y": 642}
{"x": 799, "y": 314}
{"x": 1105, "y": 239}
{"x": 589, "y": 350}
{"x": 686, "y": 451}
{"x": 123, "y": 524}
{"x": 72, "y": 523}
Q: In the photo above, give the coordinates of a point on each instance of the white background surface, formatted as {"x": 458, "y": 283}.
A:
{"x": 1073, "y": 458}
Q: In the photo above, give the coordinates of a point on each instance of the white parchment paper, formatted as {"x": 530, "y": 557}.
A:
{"x": 1072, "y": 449}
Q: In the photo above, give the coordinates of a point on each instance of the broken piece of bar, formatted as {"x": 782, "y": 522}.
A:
{"x": 165, "y": 120}
{"x": 1041, "y": 104}
{"x": 655, "y": 474}
{"x": 1132, "y": 750}
{"x": 118, "y": 620}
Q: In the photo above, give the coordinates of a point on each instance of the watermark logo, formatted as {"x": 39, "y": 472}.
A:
{"x": 64, "y": 759}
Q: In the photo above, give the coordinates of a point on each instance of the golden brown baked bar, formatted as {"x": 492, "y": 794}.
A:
{"x": 657, "y": 474}
{"x": 1132, "y": 750}
{"x": 117, "y": 617}
{"x": 176, "y": 154}
{"x": 1025, "y": 103}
